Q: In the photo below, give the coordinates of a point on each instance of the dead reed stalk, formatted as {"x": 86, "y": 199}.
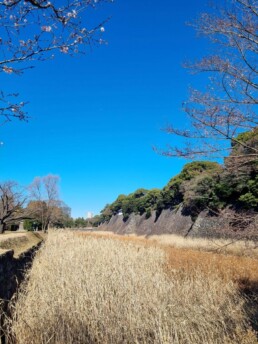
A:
{"x": 98, "y": 290}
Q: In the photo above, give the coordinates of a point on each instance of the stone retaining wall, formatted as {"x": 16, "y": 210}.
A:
{"x": 176, "y": 221}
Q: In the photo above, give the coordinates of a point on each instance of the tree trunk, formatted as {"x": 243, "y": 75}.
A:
{"x": 45, "y": 227}
{"x": 2, "y": 227}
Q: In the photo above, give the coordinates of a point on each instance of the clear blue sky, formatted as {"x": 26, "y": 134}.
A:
{"x": 95, "y": 118}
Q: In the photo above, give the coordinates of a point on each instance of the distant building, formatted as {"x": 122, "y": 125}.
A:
{"x": 89, "y": 215}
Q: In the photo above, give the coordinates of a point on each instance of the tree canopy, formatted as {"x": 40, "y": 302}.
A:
{"x": 201, "y": 185}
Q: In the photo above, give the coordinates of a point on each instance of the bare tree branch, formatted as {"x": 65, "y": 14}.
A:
{"x": 12, "y": 200}
{"x": 45, "y": 204}
{"x": 227, "y": 107}
{"x": 34, "y": 30}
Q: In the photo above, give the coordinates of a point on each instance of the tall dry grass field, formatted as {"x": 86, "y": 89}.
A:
{"x": 84, "y": 289}
{"x": 225, "y": 246}
{"x": 200, "y": 254}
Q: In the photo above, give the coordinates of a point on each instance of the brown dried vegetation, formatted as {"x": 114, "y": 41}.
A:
{"x": 230, "y": 267}
{"x": 93, "y": 289}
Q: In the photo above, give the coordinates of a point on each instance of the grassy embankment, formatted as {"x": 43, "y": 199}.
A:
{"x": 88, "y": 289}
{"x": 19, "y": 242}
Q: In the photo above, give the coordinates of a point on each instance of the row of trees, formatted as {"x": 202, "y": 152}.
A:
{"x": 179, "y": 190}
{"x": 81, "y": 222}
{"x": 202, "y": 185}
{"x": 38, "y": 204}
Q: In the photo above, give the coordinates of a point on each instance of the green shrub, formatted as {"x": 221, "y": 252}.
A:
{"x": 148, "y": 213}
{"x": 249, "y": 200}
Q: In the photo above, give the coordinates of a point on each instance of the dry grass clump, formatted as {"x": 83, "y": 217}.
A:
{"x": 228, "y": 267}
{"x": 227, "y": 246}
{"x": 99, "y": 290}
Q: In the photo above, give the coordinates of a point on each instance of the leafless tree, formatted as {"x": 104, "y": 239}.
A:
{"x": 61, "y": 214}
{"x": 45, "y": 201}
{"x": 237, "y": 225}
{"x": 227, "y": 106}
{"x": 35, "y": 30}
{"x": 12, "y": 200}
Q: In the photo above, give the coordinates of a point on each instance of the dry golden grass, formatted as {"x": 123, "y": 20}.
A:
{"x": 87, "y": 289}
{"x": 19, "y": 242}
{"x": 230, "y": 267}
{"x": 8, "y": 240}
{"x": 225, "y": 246}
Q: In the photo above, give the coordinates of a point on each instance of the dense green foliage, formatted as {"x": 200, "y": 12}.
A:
{"x": 200, "y": 185}
{"x": 193, "y": 177}
{"x": 144, "y": 201}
